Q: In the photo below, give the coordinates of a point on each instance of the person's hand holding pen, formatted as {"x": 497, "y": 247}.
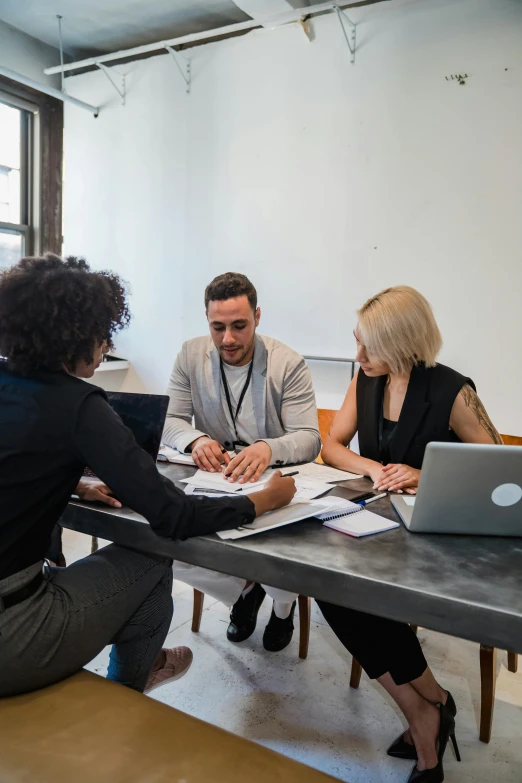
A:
{"x": 209, "y": 455}
{"x": 277, "y": 492}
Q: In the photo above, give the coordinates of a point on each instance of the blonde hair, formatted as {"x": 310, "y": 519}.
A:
{"x": 399, "y": 328}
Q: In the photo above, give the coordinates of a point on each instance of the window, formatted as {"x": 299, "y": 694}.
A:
{"x": 15, "y": 184}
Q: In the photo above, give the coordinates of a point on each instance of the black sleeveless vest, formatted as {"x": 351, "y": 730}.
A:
{"x": 424, "y": 416}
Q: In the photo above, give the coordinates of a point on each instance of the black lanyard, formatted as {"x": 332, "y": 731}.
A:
{"x": 233, "y": 415}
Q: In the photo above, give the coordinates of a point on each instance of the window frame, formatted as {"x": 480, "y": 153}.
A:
{"x": 41, "y": 183}
{"x": 28, "y": 173}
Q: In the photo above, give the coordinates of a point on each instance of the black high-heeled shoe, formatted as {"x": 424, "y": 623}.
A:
{"x": 400, "y": 749}
{"x": 446, "y": 731}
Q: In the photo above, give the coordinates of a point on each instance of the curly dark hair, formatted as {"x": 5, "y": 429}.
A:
{"x": 54, "y": 313}
{"x": 228, "y": 286}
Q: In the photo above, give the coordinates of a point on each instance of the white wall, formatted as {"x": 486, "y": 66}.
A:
{"x": 321, "y": 180}
{"x": 27, "y": 55}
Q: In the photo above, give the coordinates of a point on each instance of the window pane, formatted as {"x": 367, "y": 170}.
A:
{"x": 9, "y": 136}
{"x": 11, "y": 249}
{"x": 10, "y": 149}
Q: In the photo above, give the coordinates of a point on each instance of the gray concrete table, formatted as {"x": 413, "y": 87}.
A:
{"x": 465, "y": 586}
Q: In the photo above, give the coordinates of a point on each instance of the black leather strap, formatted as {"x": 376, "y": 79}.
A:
{"x": 22, "y": 594}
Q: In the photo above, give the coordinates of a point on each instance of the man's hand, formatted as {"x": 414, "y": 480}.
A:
{"x": 209, "y": 455}
{"x": 398, "y": 478}
{"x": 93, "y": 489}
{"x": 250, "y": 463}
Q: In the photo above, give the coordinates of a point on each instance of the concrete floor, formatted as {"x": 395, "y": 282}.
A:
{"x": 306, "y": 710}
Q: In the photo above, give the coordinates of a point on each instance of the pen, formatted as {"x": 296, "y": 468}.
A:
{"x": 285, "y": 475}
{"x": 370, "y": 500}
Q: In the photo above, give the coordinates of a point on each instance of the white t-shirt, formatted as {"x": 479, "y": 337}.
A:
{"x": 246, "y": 420}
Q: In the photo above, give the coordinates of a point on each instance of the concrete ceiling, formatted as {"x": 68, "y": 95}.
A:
{"x": 92, "y": 27}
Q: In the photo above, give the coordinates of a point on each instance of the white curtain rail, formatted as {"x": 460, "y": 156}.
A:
{"x": 62, "y": 96}
{"x": 274, "y": 21}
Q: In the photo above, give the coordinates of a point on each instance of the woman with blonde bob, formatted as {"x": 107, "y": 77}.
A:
{"x": 400, "y": 400}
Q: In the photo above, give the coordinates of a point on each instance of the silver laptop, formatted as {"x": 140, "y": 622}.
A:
{"x": 466, "y": 488}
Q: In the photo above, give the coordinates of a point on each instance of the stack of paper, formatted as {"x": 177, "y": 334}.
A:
{"x": 202, "y": 479}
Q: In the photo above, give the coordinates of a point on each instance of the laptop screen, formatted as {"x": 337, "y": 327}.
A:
{"x": 144, "y": 415}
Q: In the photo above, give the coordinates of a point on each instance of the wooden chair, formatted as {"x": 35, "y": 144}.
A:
{"x": 304, "y": 604}
{"x": 87, "y": 729}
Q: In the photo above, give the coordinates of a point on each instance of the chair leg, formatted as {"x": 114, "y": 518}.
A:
{"x": 488, "y": 681}
{"x": 512, "y": 662}
{"x": 94, "y": 545}
{"x": 197, "y": 609}
{"x": 305, "y": 608}
{"x": 355, "y": 677}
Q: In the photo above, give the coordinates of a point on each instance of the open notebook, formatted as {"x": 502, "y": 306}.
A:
{"x": 353, "y": 519}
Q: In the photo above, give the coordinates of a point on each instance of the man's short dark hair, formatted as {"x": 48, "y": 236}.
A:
{"x": 229, "y": 286}
{"x": 54, "y": 313}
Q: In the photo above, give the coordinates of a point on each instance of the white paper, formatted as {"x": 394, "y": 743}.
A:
{"x": 295, "y": 512}
{"x": 174, "y": 456}
{"x": 409, "y": 501}
{"x": 317, "y": 472}
{"x": 206, "y": 480}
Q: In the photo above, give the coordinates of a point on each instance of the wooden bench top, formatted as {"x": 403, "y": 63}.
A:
{"x": 89, "y": 730}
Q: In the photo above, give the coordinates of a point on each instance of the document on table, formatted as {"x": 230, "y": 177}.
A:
{"x": 205, "y": 480}
{"x": 295, "y": 512}
{"x": 317, "y": 472}
{"x": 202, "y": 480}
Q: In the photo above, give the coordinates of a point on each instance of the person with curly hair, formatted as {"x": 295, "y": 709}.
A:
{"x": 57, "y": 318}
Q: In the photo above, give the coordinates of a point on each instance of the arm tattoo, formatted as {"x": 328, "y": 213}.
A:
{"x": 473, "y": 402}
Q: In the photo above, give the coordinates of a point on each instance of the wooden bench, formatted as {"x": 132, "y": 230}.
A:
{"x": 87, "y": 729}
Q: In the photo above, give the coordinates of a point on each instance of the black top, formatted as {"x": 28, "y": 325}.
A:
{"x": 52, "y": 426}
{"x": 386, "y": 434}
{"x": 424, "y": 416}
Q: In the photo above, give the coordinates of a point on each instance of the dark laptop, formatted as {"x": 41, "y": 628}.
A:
{"x": 144, "y": 415}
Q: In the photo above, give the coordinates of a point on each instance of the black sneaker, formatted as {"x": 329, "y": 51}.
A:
{"x": 278, "y": 633}
{"x": 243, "y": 616}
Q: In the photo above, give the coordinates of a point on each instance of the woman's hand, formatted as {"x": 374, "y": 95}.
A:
{"x": 94, "y": 489}
{"x": 277, "y": 492}
{"x": 398, "y": 478}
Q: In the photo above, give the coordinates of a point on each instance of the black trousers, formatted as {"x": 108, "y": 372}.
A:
{"x": 380, "y": 645}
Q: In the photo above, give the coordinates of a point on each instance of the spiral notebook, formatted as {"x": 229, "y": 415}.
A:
{"x": 353, "y": 519}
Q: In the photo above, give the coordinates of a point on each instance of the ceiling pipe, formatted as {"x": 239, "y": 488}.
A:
{"x": 62, "y": 96}
{"x": 275, "y": 21}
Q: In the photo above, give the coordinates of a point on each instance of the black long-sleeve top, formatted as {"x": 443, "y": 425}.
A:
{"x": 52, "y": 426}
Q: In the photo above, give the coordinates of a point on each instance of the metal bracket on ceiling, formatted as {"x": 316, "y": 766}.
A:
{"x": 182, "y": 64}
{"x": 108, "y": 73}
{"x": 306, "y": 27}
{"x": 61, "y": 49}
{"x": 348, "y": 35}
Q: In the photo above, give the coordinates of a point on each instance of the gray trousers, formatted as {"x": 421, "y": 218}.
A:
{"x": 115, "y": 596}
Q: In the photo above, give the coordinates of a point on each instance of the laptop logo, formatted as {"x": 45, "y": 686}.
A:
{"x": 506, "y": 494}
